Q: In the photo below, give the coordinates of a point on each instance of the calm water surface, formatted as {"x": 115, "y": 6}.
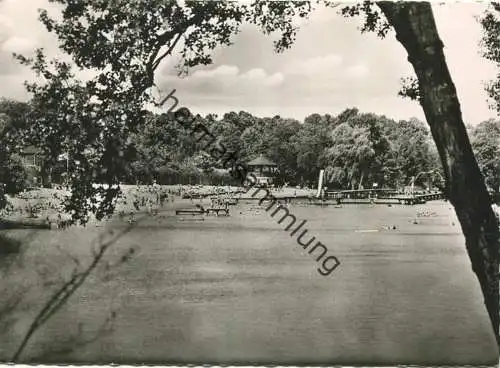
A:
{"x": 240, "y": 289}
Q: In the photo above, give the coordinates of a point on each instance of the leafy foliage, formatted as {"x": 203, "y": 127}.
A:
{"x": 486, "y": 136}
{"x": 350, "y": 145}
{"x": 368, "y": 149}
{"x": 13, "y": 175}
{"x": 357, "y": 149}
{"x": 373, "y": 19}
{"x": 486, "y": 145}
{"x": 123, "y": 43}
{"x": 102, "y": 123}
{"x": 310, "y": 143}
{"x": 490, "y": 23}
{"x": 410, "y": 88}
{"x": 14, "y": 116}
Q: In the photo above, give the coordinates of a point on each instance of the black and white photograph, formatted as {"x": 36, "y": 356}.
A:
{"x": 249, "y": 183}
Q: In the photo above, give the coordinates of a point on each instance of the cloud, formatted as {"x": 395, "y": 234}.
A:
{"x": 315, "y": 65}
{"x": 221, "y": 71}
{"x": 14, "y": 85}
{"x": 231, "y": 75}
{"x": 21, "y": 32}
{"x": 357, "y": 71}
{"x": 224, "y": 80}
{"x": 259, "y": 76}
{"x": 6, "y": 24}
{"x": 324, "y": 73}
{"x": 17, "y": 45}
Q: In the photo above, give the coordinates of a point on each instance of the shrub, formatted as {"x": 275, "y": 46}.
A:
{"x": 13, "y": 175}
{"x": 3, "y": 200}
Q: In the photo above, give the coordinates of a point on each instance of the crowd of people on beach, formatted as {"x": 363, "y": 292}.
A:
{"x": 139, "y": 198}
{"x": 45, "y": 203}
{"x": 32, "y": 204}
{"x": 149, "y": 199}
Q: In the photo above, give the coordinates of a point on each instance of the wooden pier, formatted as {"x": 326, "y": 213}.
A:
{"x": 381, "y": 196}
{"x": 365, "y": 196}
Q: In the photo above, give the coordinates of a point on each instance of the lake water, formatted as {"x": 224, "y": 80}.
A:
{"x": 240, "y": 290}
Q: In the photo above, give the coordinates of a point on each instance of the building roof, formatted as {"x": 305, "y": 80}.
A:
{"x": 261, "y": 161}
{"x": 30, "y": 150}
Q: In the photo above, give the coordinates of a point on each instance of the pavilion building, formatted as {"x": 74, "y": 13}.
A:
{"x": 263, "y": 169}
{"x": 32, "y": 159}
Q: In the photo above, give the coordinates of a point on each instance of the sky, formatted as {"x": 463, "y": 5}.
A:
{"x": 331, "y": 67}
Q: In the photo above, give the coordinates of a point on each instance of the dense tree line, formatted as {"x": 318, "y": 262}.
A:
{"x": 356, "y": 149}
{"x": 485, "y": 139}
{"x": 13, "y": 118}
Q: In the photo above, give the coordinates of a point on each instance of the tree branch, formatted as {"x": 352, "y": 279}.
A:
{"x": 64, "y": 293}
{"x": 157, "y": 62}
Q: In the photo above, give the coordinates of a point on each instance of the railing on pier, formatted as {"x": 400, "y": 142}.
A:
{"x": 379, "y": 195}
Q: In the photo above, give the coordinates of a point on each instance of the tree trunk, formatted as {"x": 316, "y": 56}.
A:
{"x": 465, "y": 188}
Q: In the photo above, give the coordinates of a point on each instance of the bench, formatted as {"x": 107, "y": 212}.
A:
{"x": 217, "y": 211}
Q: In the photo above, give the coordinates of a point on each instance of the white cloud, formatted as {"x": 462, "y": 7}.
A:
{"x": 275, "y": 80}
{"x": 259, "y": 76}
{"x": 357, "y": 71}
{"x": 224, "y": 80}
{"x": 257, "y": 73}
{"x": 15, "y": 86}
{"x": 6, "y": 23}
{"x": 221, "y": 71}
{"x": 17, "y": 44}
{"x": 316, "y": 65}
